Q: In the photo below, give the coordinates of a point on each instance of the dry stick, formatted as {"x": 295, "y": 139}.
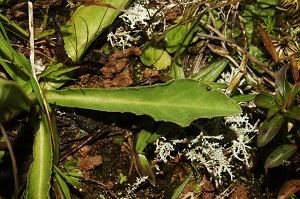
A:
{"x": 31, "y": 57}
{"x": 13, "y": 161}
{"x": 89, "y": 139}
{"x": 233, "y": 44}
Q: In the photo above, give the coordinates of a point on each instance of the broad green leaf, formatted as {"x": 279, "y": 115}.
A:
{"x": 161, "y": 130}
{"x": 141, "y": 142}
{"x": 174, "y": 37}
{"x": 179, "y": 189}
{"x": 288, "y": 189}
{"x": 38, "y": 179}
{"x": 145, "y": 168}
{"x": 281, "y": 154}
{"x": 164, "y": 61}
{"x": 180, "y": 101}
{"x": 13, "y": 100}
{"x": 265, "y": 100}
{"x": 268, "y": 129}
{"x": 152, "y": 52}
{"x": 212, "y": 71}
{"x": 86, "y": 24}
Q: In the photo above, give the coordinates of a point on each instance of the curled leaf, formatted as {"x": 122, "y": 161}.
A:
{"x": 145, "y": 168}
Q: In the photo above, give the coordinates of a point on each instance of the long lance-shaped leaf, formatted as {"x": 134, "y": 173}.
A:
{"x": 180, "y": 101}
{"x": 281, "y": 154}
{"x": 269, "y": 129}
{"x": 38, "y": 180}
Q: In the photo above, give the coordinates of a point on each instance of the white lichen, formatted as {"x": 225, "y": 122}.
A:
{"x": 245, "y": 132}
{"x": 207, "y": 150}
{"x": 163, "y": 150}
{"x": 132, "y": 188}
{"x": 138, "y": 19}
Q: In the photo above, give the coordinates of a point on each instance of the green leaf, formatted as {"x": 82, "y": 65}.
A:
{"x": 279, "y": 155}
{"x": 14, "y": 28}
{"x": 294, "y": 92}
{"x": 164, "y": 61}
{"x": 265, "y": 100}
{"x": 13, "y": 62}
{"x": 212, "y": 71}
{"x": 152, "y": 52}
{"x": 86, "y": 24}
{"x": 243, "y": 98}
{"x": 141, "y": 142}
{"x": 61, "y": 187}
{"x": 176, "y": 69}
{"x": 179, "y": 189}
{"x": 72, "y": 180}
{"x": 161, "y": 130}
{"x": 146, "y": 137}
{"x": 180, "y": 101}
{"x": 38, "y": 180}
{"x": 13, "y": 100}
{"x": 272, "y": 111}
{"x": 294, "y": 113}
{"x": 70, "y": 164}
{"x": 174, "y": 37}
{"x": 269, "y": 129}
{"x": 145, "y": 168}
{"x": 281, "y": 84}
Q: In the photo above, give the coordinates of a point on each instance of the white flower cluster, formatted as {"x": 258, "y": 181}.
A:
{"x": 137, "y": 19}
{"x": 208, "y": 151}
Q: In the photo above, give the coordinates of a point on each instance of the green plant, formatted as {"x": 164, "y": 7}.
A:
{"x": 188, "y": 98}
{"x": 281, "y": 107}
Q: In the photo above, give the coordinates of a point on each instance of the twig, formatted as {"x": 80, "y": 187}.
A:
{"x": 84, "y": 142}
{"x": 235, "y": 45}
